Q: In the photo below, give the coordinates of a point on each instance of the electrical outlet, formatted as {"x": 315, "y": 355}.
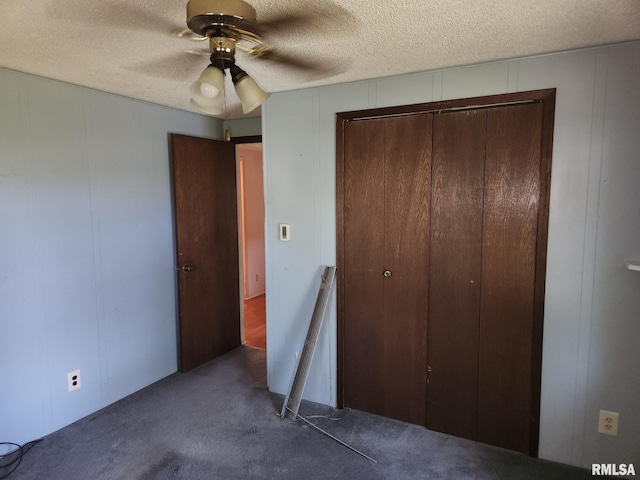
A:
{"x": 608, "y": 423}
{"x": 73, "y": 380}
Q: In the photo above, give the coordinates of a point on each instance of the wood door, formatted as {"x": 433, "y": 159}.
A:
{"x": 486, "y": 205}
{"x": 364, "y": 327}
{"x": 509, "y": 245}
{"x": 455, "y": 273}
{"x": 386, "y": 218}
{"x": 204, "y": 182}
{"x": 487, "y": 217}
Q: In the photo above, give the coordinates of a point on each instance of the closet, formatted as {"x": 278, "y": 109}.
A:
{"x": 442, "y": 224}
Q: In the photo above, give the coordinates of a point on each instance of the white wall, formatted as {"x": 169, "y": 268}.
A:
{"x": 249, "y": 158}
{"x": 244, "y": 127}
{"x": 87, "y": 270}
{"x": 592, "y": 325}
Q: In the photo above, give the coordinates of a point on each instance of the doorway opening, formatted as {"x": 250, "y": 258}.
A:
{"x": 251, "y": 244}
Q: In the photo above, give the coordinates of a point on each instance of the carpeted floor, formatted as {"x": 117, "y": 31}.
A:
{"x": 219, "y": 422}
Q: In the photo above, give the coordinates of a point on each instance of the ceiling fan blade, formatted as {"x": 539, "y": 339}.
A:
{"x": 289, "y": 21}
{"x": 199, "y": 51}
{"x": 179, "y": 67}
{"x": 328, "y": 14}
{"x": 316, "y": 69}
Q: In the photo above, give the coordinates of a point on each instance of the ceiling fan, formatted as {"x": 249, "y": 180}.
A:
{"x": 229, "y": 25}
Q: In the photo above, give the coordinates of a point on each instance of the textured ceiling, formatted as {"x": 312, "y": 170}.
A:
{"x": 131, "y": 49}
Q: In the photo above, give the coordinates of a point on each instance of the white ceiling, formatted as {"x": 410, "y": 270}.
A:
{"x": 130, "y": 48}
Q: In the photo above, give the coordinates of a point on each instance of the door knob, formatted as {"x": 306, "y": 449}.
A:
{"x": 387, "y": 273}
{"x": 187, "y": 268}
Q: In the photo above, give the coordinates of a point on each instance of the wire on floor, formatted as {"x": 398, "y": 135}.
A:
{"x": 331, "y": 436}
{"x": 17, "y": 453}
{"x": 327, "y": 417}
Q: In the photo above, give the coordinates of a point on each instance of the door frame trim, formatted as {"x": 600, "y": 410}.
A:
{"x": 544, "y": 96}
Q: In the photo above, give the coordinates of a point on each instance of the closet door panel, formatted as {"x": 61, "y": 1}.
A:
{"x": 364, "y": 326}
{"x": 455, "y": 271}
{"x": 406, "y": 213}
{"x": 511, "y": 203}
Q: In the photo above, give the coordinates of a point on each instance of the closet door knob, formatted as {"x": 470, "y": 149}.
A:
{"x": 387, "y": 273}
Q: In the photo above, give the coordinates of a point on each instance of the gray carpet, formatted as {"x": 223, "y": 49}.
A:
{"x": 219, "y": 422}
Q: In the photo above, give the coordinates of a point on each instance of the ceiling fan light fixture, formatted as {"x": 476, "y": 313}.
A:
{"x": 249, "y": 92}
{"x": 209, "y": 85}
{"x": 203, "y": 15}
{"x": 207, "y": 92}
{"x": 213, "y": 108}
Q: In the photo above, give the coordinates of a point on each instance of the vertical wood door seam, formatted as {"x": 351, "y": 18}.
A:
{"x": 484, "y": 200}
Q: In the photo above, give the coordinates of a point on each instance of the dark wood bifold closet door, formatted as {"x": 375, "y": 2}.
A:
{"x": 485, "y": 205}
{"x": 364, "y": 341}
{"x": 511, "y": 207}
{"x": 451, "y": 199}
{"x": 386, "y": 217}
{"x": 455, "y": 273}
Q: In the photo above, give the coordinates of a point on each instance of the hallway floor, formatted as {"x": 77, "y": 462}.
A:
{"x": 255, "y": 332}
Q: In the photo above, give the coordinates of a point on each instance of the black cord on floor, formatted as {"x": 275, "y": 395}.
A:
{"x": 17, "y": 453}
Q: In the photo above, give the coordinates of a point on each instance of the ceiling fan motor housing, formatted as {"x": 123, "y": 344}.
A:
{"x": 207, "y": 16}
{"x": 222, "y": 49}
